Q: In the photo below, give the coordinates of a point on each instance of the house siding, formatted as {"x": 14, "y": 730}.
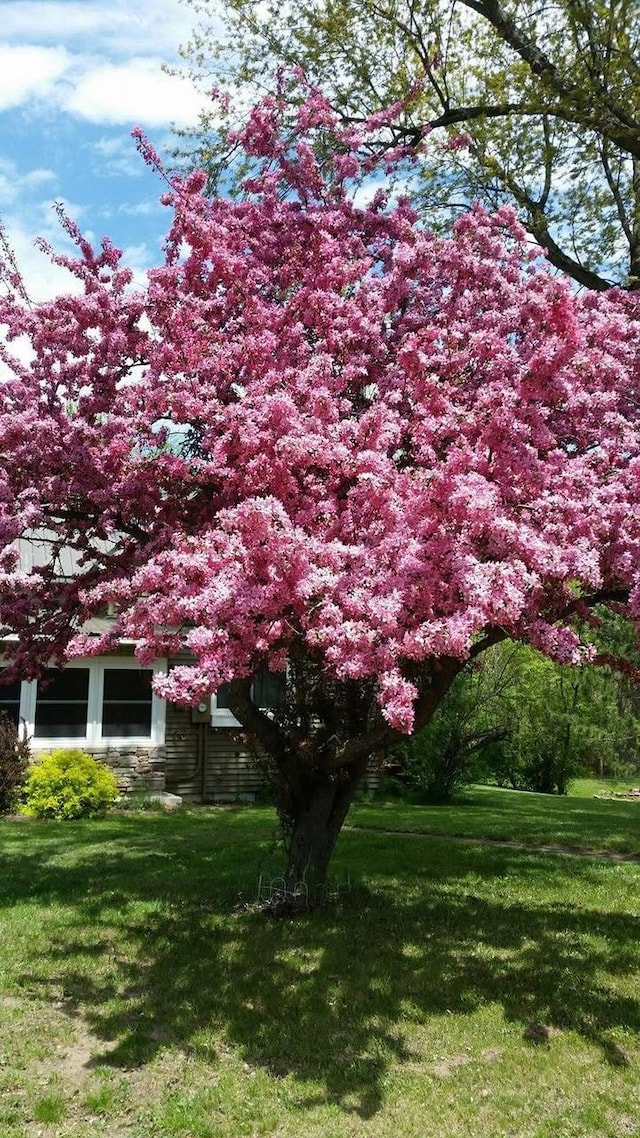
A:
{"x": 213, "y": 764}
{"x": 199, "y": 762}
{"x": 207, "y": 764}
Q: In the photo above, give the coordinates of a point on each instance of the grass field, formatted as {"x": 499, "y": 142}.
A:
{"x": 579, "y": 820}
{"x": 460, "y": 990}
{"x": 588, "y": 787}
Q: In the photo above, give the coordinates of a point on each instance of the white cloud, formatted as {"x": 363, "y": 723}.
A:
{"x": 26, "y": 214}
{"x": 42, "y": 278}
{"x": 59, "y": 20}
{"x": 135, "y": 92}
{"x": 139, "y": 259}
{"x": 28, "y": 72}
{"x": 145, "y": 208}
{"x": 15, "y": 186}
{"x": 20, "y": 350}
{"x": 98, "y": 60}
{"x": 151, "y": 27}
{"x": 118, "y": 156}
{"x": 95, "y": 62}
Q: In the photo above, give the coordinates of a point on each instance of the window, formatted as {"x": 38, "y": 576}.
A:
{"x": 126, "y": 703}
{"x": 268, "y": 688}
{"x": 267, "y": 691}
{"x": 101, "y": 702}
{"x": 62, "y": 704}
{"x": 10, "y": 701}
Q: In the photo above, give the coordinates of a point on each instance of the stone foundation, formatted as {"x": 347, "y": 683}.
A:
{"x": 136, "y": 768}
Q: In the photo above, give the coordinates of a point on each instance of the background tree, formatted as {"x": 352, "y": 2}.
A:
{"x": 516, "y": 717}
{"x": 565, "y": 722}
{"x": 320, "y": 437}
{"x": 549, "y": 96}
{"x": 464, "y": 740}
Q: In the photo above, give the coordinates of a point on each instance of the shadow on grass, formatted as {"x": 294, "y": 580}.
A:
{"x": 154, "y": 950}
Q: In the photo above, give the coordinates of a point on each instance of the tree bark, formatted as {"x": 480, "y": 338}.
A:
{"x": 323, "y": 804}
{"x": 315, "y": 774}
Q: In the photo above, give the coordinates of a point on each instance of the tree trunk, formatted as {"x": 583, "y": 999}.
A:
{"x": 321, "y": 808}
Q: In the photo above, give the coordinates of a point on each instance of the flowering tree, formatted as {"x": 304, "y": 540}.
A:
{"x": 320, "y": 437}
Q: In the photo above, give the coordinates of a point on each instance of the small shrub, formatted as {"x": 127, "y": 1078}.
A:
{"x": 14, "y": 762}
{"x": 68, "y": 784}
{"x": 394, "y": 788}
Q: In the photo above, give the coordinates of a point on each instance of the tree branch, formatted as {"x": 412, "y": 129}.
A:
{"x": 586, "y": 277}
{"x": 614, "y": 186}
{"x": 257, "y": 722}
{"x": 491, "y": 637}
{"x": 539, "y": 227}
{"x": 619, "y": 126}
{"x": 525, "y": 47}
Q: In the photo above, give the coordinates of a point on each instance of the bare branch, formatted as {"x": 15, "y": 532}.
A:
{"x": 614, "y": 186}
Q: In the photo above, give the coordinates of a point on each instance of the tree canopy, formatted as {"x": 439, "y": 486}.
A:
{"x": 536, "y": 105}
{"x": 320, "y": 437}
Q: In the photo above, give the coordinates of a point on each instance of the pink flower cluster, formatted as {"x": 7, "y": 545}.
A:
{"x": 319, "y": 425}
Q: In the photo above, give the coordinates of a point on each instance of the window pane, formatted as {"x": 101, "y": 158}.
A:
{"x": 61, "y": 706}
{"x": 64, "y": 684}
{"x": 126, "y": 720}
{"x": 268, "y": 688}
{"x": 127, "y": 684}
{"x": 10, "y": 700}
{"x": 61, "y": 721}
{"x": 126, "y": 706}
{"x": 222, "y": 696}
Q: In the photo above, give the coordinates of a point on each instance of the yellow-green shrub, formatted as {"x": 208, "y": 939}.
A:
{"x": 68, "y": 784}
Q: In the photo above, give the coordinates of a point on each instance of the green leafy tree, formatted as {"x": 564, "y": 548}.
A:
{"x": 564, "y": 722}
{"x": 516, "y": 717}
{"x": 549, "y": 96}
{"x": 468, "y": 730}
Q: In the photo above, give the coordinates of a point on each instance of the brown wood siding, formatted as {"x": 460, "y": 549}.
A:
{"x": 183, "y": 775}
{"x": 229, "y": 770}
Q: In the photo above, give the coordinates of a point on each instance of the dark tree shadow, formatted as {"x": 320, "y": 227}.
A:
{"x": 320, "y": 996}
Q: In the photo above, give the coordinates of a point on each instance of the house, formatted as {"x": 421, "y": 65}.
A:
{"x": 106, "y": 706}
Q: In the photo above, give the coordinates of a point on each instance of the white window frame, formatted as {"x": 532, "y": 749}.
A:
{"x": 93, "y": 736}
{"x": 224, "y": 717}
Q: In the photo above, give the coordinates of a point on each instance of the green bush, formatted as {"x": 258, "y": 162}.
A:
{"x": 14, "y": 759}
{"x": 68, "y": 784}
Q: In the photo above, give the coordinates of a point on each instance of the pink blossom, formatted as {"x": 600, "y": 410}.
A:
{"x": 319, "y": 431}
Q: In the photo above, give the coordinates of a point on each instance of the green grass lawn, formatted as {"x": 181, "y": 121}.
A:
{"x": 589, "y": 787}
{"x": 539, "y": 819}
{"x": 461, "y": 990}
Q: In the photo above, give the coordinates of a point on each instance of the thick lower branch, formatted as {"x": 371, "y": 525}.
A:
{"x": 259, "y": 724}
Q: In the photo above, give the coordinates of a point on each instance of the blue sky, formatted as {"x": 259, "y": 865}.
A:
{"x": 75, "y": 77}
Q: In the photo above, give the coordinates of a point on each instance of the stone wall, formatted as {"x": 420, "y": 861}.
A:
{"x": 136, "y": 768}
